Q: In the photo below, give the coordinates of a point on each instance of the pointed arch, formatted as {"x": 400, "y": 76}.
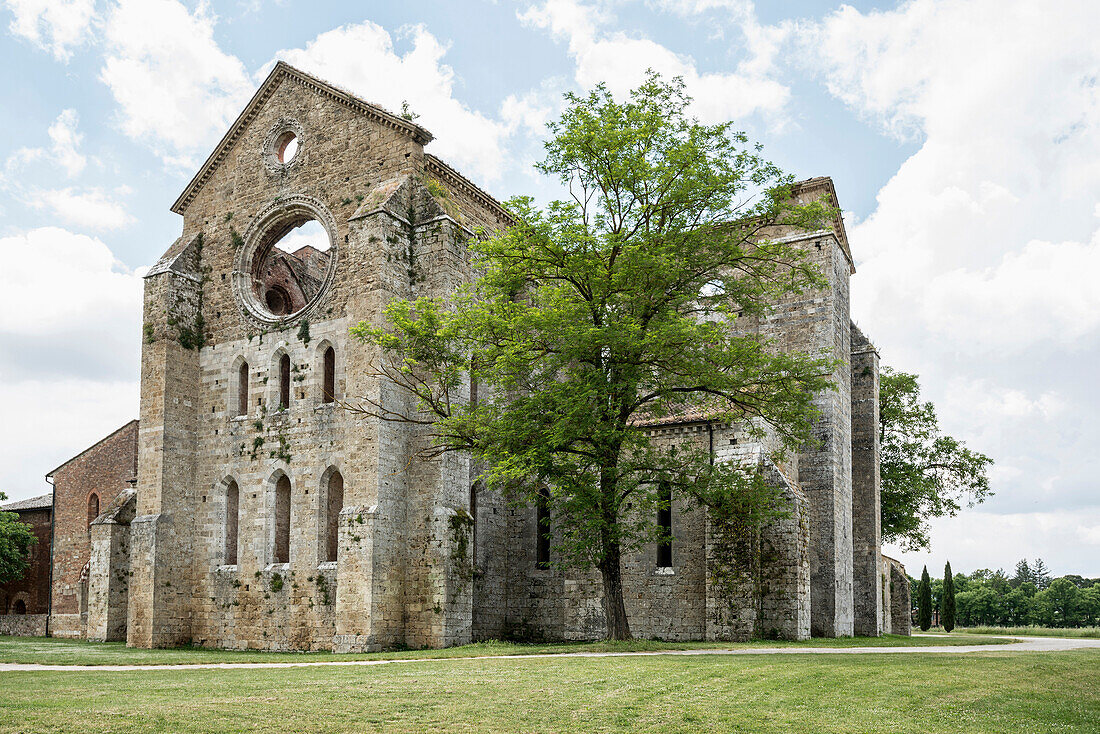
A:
{"x": 231, "y": 521}
{"x": 93, "y": 507}
{"x": 332, "y": 493}
{"x": 280, "y": 367}
{"x": 326, "y": 372}
{"x": 280, "y": 516}
{"x": 238, "y": 387}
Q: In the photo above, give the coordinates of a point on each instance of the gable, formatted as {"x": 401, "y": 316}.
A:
{"x": 284, "y": 72}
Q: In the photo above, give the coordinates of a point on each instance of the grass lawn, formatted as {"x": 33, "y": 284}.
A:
{"x": 51, "y": 651}
{"x": 976, "y": 693}
{"x": 1035, "y": 631}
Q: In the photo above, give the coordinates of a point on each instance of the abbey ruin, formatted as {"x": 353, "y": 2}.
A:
{"x": 261, "y": 515}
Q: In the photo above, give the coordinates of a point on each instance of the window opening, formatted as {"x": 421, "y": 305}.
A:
{"x": 664, "y": 521}
{"x": 282, "y": 520}
{"x": 328, "y": 392}
{"x": 335, "y": 502}
{"x": 542, "y": 528}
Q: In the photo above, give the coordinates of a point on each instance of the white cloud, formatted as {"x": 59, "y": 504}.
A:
{"x": 57, "y": 419}
{"x": 361, "y": 58}
{"x": 977, "y": 266}
{"x": 91, "y": 208}
{"x": 65, "y": 139}
{"x": 175, "y": 87}
{"x": 1045, "y": 292}
{"x": 1068, "y": 542}
{"x": 621, "y": 60}
{"x": 55, "y": 281}
{"x": 63, "y": 152}
{"x": 53, "y": 25}
{"x": 70, "y": 330}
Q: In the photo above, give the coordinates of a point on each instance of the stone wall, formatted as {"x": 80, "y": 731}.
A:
{"x": 109, "y": 570}
{"x": 897, "y": 600}
{"x": 866, "y": 517}
{"x": 681, "y": 602}
{"x": 104, "y": 469}
{"x": 23, "y": 625}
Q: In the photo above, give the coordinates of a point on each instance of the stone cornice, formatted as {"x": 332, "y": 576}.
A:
{"x": 437, "y": 167}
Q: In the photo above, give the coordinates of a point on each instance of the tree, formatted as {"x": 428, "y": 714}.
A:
{"x": 947, "y": 606}
{"x": 16, "y": 540}
{"x": 1018, "y": 603}
{"x": 924, "y": 473}
{"x": 591, "y": 315}
{"x": 924, "y": 601}
{"x": 1040, "y": 574}
{"x": 1023, "y": 573}
{"x": 1090, "y": 605}
{"x": 1063, "y": 598}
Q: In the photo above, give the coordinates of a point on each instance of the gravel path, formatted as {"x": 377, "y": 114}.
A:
{"x": 1021, "y": 644}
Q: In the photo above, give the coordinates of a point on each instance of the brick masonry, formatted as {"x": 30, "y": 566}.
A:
{"x": 30, "y": 595}
{"x": 104, "y": 470}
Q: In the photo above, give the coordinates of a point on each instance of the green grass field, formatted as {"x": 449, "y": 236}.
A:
{"x": 51, "y": 651}
{"x": 976, "y": 693}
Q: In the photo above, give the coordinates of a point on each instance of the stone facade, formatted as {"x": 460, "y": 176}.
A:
{"x": 268, "y": 517}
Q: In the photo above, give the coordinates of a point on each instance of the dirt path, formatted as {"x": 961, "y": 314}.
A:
{"x": 1022, "y": 644}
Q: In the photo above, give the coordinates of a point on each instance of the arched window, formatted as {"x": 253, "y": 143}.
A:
{"x": 19, "y": 607}
{"x": 664, "y": 521}
{"x": 93, "y": 507}
{"x": 542, "y": 529}
{"x": 282, "y": 520}
{"x": 232, "y": 521}
{"x": 284, "y": 382}
{"x": 334, "y": 502}
{"x": 473, "y": 522}
{"x": 242, "y": 389}
{"x": 328, "y": 390}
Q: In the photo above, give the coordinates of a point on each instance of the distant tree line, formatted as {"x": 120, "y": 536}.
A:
{"x": 993, "y": 598}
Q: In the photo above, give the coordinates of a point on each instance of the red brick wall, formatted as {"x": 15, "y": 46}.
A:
{"x": 104, "y": 469}
{"x": 34, "y": 587}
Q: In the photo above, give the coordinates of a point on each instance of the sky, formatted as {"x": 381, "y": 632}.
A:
{"x": 963, "y": 138}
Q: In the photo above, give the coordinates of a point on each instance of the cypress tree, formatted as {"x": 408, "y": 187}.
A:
{"x": 947, "y": 615}
{"x": 924, "y": 601}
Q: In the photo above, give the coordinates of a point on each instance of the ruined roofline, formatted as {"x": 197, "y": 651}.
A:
{"x": 282, "y": 71}
{"x": 109, "y": 436}
{"x": 437, "y": 166}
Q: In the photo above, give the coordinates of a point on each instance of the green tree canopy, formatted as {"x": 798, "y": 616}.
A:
{"x": 16, "y": 540}
{"x": 618, "y": 306}
{"x": 924, "y": 473}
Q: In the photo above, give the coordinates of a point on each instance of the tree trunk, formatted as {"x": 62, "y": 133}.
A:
{"x": 618, "y": 626}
